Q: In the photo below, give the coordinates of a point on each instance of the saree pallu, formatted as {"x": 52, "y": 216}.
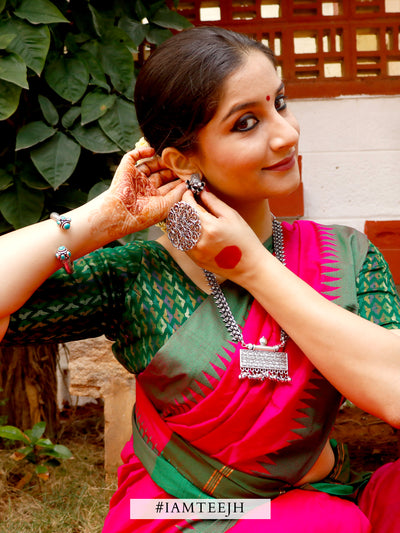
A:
{"x": 200, "y": 432}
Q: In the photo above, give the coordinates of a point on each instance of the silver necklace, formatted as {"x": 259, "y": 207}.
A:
{"x": 257, "y": 361}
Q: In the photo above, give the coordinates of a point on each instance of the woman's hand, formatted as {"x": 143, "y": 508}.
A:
{"x": 140, "y": 195}
{"x": 227, "y": 246}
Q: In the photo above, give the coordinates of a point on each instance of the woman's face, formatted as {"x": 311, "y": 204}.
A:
{"x": 248, "y": 151}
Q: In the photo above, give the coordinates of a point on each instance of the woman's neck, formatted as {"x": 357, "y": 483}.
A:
{"x": 258, "y": 216}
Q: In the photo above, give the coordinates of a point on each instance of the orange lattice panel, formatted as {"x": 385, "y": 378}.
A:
{"x": 323, "y": 48}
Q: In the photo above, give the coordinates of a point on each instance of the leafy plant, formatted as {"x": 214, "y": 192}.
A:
{"x": 38, "y": 451}
{"x": 67, "y": 75}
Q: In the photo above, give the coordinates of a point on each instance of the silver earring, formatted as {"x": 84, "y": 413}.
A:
{"x": 195, "y": 184}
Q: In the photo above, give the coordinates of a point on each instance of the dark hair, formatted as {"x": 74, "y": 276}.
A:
{"x": 178, "y": 88}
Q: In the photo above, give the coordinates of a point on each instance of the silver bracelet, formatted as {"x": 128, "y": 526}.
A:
{"x": 62, "y": 221}
{"x": 64, "y": 256}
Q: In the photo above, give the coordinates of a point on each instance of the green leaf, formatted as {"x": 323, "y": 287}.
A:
{"x": 154, "y": 7}
{"x": 70, "y": 116}
{"x": 118, "y": 35}
{"x": 9, "y": 99}
{"x": 22, "y": 453}
{"x": 100, "y": 21}
{"x": 41, "y": 469}
{"x": 29, "y": 175}
{"x": 13, "y": 433}
{"x": 136, "y": 30}
{"x": 33, "y": 133}
{"x": 95, "y": 105}
{"x": 21, "y": 206}
{"x": 92, "y": 138}
{"x": 62, "y": 451}
{"x": 56, "y": 159}
{"x": 2, "y": 5}
{"x": 68, "y": 77}
{"x": 157, "y": 36}
{"x": 49, "y": 110}
{"x": 120, "y": 124}
{"x": 117, "y": 62}
{"x": 5, "y": 227}
{"x": 141, "y": 10}
{"x": 44, "y": 442}
{"x": 6, "y": 39}
{"x": 166, "y": 18}
{"x": 97, "y": 189}
{"x": 58, "y": 450}
{"x": 6, "y": 180}
{"x": 39, "y": 12}
{"x": 13, "y": 69}
{"x": 38, "y": 430}
{"x": 31, "y": 42}
{"x": 70, "y": 199}
{"x": 94, "y": 68}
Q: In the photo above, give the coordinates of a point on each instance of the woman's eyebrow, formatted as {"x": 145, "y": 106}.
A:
{"x": 238, "y": 107}
{"x": 245, "y": 105}
{"x": 280, "y": 88}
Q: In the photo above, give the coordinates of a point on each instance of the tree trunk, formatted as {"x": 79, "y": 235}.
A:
{"x": 28, "y": 383}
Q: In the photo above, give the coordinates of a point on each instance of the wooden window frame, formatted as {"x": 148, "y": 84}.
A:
{"x": 363, "y": 72}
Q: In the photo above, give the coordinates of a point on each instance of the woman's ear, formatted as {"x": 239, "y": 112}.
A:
{"x": 182, "y": 165}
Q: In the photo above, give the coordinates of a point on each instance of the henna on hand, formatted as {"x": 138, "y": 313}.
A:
{"x": 139, "y": 196}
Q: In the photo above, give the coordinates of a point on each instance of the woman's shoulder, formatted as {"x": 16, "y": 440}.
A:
{"x": 348, "y": 234}
{"x": 348, "y": 244}
{"x": 336, "y": 228}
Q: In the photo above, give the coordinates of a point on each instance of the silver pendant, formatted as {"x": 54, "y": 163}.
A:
{"x": 264, "y": 362}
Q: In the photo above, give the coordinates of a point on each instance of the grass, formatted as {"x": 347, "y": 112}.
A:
{"x": 76, "y": 497}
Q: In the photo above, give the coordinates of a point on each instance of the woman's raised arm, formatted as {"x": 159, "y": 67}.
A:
{"x": 361, "y": 359}
{"x": 138, "y": 197}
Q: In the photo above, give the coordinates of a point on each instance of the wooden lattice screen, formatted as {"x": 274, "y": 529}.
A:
{"x": 323, "y": 48}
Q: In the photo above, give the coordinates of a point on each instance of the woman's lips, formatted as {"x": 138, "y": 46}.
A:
{"x": 285, "y": 164}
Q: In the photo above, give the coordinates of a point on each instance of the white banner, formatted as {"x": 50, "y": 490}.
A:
{"x": 200, "y": 509}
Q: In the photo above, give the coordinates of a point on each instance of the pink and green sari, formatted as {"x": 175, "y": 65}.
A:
{"x": 201, "y": 432}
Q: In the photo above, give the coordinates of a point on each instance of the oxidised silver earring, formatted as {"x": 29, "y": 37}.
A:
{"x": 195, "y": 184}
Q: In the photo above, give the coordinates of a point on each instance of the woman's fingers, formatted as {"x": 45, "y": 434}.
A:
{"x": 215, "y": 206}
{"x": 142, "y": 152}
{"x": 171, "y": 197}
{"x": 166, "y": 187}
{"x": 161, "y": 178}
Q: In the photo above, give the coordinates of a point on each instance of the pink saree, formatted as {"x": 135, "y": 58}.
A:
{"x": 200, "y": 432}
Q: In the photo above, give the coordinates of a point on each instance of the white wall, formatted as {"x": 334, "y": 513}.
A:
{"x": 351, "y": 158}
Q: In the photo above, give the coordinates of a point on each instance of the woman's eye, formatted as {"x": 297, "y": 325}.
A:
{"x": 245, "y": 123}
{"x": 280, "y": 102}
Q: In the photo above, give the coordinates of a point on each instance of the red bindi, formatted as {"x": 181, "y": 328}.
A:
{"x": 228, "y": 257}
{"x": 268, "y": 98}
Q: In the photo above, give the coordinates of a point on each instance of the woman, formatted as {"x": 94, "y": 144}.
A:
{"x": 218, "y": 414}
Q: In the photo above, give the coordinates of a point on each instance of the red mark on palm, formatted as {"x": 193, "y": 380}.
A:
{"x": 268, "y": 98}
{"x": 228, "y": 257}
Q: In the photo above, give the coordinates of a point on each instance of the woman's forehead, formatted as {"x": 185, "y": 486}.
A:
{"x": 255, "y": 78}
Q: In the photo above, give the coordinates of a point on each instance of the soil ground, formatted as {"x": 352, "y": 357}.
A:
{"x": 371, "y": 442}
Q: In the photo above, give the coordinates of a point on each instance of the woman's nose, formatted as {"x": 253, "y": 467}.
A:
{"x": 284, "y": 132}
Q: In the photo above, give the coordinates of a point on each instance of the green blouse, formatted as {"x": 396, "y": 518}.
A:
{"x": 138, "y": 296}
